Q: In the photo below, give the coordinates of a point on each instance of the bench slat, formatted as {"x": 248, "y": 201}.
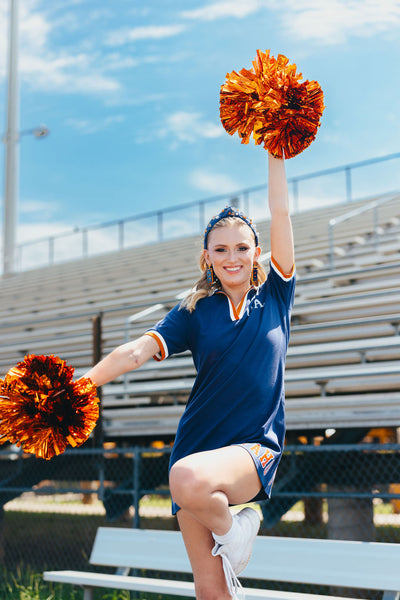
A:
{"x": 322, "y": 562}
{"x": 176, "y": 588}
{"x": 122, "y": 582}
{"x": 365, "y": 565}
{"x": 143, "y": 549}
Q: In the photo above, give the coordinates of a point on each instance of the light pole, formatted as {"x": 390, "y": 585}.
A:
{"x": 11, "y": 141}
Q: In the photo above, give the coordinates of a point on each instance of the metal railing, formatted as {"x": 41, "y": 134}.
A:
{"x": 371, "y": 206}
{"x": 189, "y": 218}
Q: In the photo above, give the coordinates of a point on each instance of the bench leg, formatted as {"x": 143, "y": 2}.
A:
{"x": 87, "y": 593}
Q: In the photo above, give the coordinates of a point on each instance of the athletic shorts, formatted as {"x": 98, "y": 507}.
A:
{"x": 266, "y": 462}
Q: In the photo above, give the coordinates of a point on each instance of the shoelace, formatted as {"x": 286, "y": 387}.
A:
{"x": 234, "y": 586}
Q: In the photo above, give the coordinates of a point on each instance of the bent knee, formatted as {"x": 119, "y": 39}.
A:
{"x": 187, "y": 485}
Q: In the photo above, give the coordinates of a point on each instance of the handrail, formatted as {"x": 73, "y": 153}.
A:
{"x": 197, "y": 219}
{"x": 373, "y": 205}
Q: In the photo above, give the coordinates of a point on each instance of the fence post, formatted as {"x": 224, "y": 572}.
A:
{"x": 51, "y": 250}
{"x": 376, "y": 226}
{"x": 85, "y": 245}
{"x": 331, "y": 247}
{"x": 246, "y": 202}
{"x": 160, "y": 225}
{"x": 202, "y": 216}
{"x": 97, "y": 351}
{"x": 348, "y": 183}
{"x": 121, "y": 232}
{"x": 136, "y": 486}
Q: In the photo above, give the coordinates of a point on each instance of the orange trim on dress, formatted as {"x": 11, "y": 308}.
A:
{"x": 162, "y": 351}
{"x": 285, "y": 275}
{"x": 236, "y": 309}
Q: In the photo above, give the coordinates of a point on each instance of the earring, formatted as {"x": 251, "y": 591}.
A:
{"x": 210, "y": 275}
{"x": 254, "y": 275}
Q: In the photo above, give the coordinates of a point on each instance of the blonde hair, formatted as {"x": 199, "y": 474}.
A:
{"x": 203, "y": 289}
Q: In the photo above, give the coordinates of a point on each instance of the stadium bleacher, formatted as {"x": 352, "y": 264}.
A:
{"x": 343, "y": 367}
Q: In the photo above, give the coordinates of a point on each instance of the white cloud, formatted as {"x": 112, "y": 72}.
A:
{"x": 66, "y": 73}
{"x": 88, "y": 127}
{"x": 226, "y": 8}
{"x": 55, "y": 69}
{"x": 149, "y": 32}
{"x": 334, "y": 21}
{"x": 189, "y": 127}
{"x": 328, "y": 22}
{"x": 213, "y": 183}
{"x": 33, "y": 207}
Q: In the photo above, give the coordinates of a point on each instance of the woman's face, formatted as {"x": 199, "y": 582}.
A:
{"x": 232, "y": 253}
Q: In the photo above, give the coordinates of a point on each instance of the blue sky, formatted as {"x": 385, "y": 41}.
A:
{"x": 130, "y": 92}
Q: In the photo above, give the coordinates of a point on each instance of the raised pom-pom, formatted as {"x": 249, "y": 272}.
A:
{"x": 43, "y": 410}
{"x": 270, "y": 102}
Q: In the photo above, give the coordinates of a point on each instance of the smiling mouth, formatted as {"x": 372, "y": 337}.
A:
{"x": 232, "y": 269}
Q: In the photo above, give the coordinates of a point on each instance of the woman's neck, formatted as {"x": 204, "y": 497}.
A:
{"x": 236, "y": 295}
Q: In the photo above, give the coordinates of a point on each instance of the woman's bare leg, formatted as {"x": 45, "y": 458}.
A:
{"x": 209, "y": 578}
{"x": 205, "y": 483}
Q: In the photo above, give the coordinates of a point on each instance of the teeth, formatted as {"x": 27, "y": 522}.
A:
{"x": 232, "y": 269}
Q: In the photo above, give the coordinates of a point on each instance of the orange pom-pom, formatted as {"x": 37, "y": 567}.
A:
{"x": 43, "y": 410}
{"x": 270, "y": 102}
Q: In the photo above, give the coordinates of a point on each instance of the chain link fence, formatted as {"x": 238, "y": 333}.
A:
{"x": 52, "y": 509}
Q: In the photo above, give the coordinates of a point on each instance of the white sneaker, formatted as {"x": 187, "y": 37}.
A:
{"x": 236, "y": 554}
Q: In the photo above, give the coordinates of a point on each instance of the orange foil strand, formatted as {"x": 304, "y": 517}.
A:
{"x": 270, "y": 103}
{"x": 43, "y": 410}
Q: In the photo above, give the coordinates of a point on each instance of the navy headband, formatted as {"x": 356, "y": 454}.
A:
{"x": 229, "y": 212}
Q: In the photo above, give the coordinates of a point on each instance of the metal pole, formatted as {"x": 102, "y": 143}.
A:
{"x": 331, "y": 244}
{"x": 348, "y": 183}
{"x": 376, "y": 226}
{"x": 202, "y": 217}
{"x": 136, "y": 487}
{"x": 246, "y": 202}
{"x": 97, "y": 352}
{"x": 85, "y": 244}
{"x": 51, "y": 250}
{"x": 11, "y": 141}
{"x": 121, "y": 235}
{"x": 160, "y": 225}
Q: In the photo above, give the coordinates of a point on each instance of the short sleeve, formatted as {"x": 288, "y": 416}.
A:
{"x": 171, "y": 333}
{"x": 282, "y": 285}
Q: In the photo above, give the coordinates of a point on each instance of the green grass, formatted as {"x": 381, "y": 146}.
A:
{"x": 24, "y": 584}
{"x": 27, "y": 585}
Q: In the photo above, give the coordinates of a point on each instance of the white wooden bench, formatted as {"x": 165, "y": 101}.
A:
{"x": 344, "y": 564}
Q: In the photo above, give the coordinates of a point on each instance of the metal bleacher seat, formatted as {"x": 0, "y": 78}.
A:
{"x": 343, "y": 365}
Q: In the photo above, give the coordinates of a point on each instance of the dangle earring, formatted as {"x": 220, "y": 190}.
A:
{"x": 254, "y": 275}
{"x": 210, "y": 275}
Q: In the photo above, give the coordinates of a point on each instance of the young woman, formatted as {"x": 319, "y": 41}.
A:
{"x": 230, "y": 437}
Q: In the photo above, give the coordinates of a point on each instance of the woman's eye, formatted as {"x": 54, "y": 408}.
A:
{"x": 219, "y": 249}
{"x": 243, "y": 249}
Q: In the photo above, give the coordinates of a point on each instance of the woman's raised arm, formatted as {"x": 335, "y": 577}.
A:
{"x": 282, "y": 247}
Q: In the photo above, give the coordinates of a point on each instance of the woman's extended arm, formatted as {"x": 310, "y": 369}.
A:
{"x": 124, "y": 358}
{"x": 282, "y": 248}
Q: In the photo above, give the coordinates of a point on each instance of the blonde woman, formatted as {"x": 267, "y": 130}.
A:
{"x": 230, "y": 438}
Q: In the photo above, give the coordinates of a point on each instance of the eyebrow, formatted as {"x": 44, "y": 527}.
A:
{"x": 238, "y": 244}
